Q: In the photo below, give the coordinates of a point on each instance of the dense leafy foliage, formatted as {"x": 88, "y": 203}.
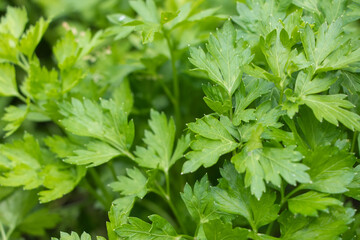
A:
{"x": 105, "y": 133}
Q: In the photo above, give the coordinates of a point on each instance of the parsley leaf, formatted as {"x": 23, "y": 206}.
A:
{"x": 199, "y": 201}
{"x": 8, "y": 85}
{"x": 327, "y": 225}
{"x": 212, "y": 141}
{"x": 95, "y": 154}
{"x": 160, "y": 151}
{"x": 330, "y": 169}
{"x": 138, "y": 229}
{"x": 134, "y": 184}
{"x": 308, "y": 204}
{"x": 105, "y": 121}
{"x": 217, "y": 230}
{"x": 231, "y": 196}
{"x": 224, "y": 59}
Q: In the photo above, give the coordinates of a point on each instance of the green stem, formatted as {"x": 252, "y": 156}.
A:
{"x": 11, "y": 230}
{"x": 167, "y": 198}
{"x": 186, "y": 237}
{"x": 284, "y": 200}
{"x": 167, "y": 180}
{"x": 167, "y": 91}
{"x": 281, "y": 96}
{"x": 3, "y": 235}
{"x": 282, "y": 196}
{"x": 112, "y": 169}
{"x": 23, "y": 63}
{"x": 100, "y": 185}
{"x": 354, "y": 141}
{"x": 176, "y": 88}
{"x": 92, "y": 191}
{"x": 22, "y": 98}
{"x": 253, "y": 226}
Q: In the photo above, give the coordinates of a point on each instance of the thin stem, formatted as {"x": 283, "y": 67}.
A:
{"x": 253, "y": 226}
{"x": 176, "y": 88}
{"x": 167, "y": 180}
{"x": 167, "y": 91}
{"x": 354, "y": 141}
{"x": 281, "y": 96}
{"x": 186, "y": 237}
{"x": 112, "y": 169}
{"x": 100, "y": 184}
{"x": 8, "y": 234}
{"x": 167, "y": 198}
{"x": 3, "y": 235}
{"x": 23, "y": 63}
{"x": 22, "y": 98}
{"x": 92, "y": 191}
{"x": 297, "y": 189}
{"x": 129, "y": 155}
{"x": 282, "y": 196}
{"x": 177, "y": 216}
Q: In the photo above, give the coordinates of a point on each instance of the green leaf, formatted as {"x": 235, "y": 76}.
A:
{"x": 332, "y": 108}
{"x": 8, "y": 86}
{"x": 354, "y": 186}
{"x": 33, "y": 166}
{"x": 308, "y": 204}
{"x": 15, "y": 207}
{"x": 72, "y": 49}
{"x": 134, "y": 184}
{"x": 326, "y": 226}
{"x": 269, "y": 164}
{"x": 328, "y": 39}
{"x": 315, "y": 133}
{"x": 59, "y": 181}
{"x": 95, "y": 154}
{"x": 41, "y": 84}
{"x": 212, "y": 141}
{"x": 66, "y": 51}
{"x": 253, "y": 89}
{"x": 61, "y": 146}
{"x": 37, "y": 222}
{"x": 118, "y": 215}
{"x": 160, "y": 229}
{"x": 330, "y": 169}
{"x": 146, "y": 10}
{"x": 123, "y": 96}
{"x": 160, "y": 144}
{"x": 305, "y": 85}
{"x": 8, "y": 48}
{"x": 199, "y": 201}
{"x": 14, "y": 21}
{"x": 105, "y": 121}
{"x": 259, "y": 18}
{"x": 232, "y": 197}
{"x": 73, "y": 236}
{"x": 276, "y": 48}
{"x": 217, "y": 230}
{"x": 224, "y": 59}
{"x": 14, "y": 117}
{"x": 27, "y": 158}
{"x": 217, "y": 98}
{"x": 32, "y": 37}
{"x": 351, "y": 81}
